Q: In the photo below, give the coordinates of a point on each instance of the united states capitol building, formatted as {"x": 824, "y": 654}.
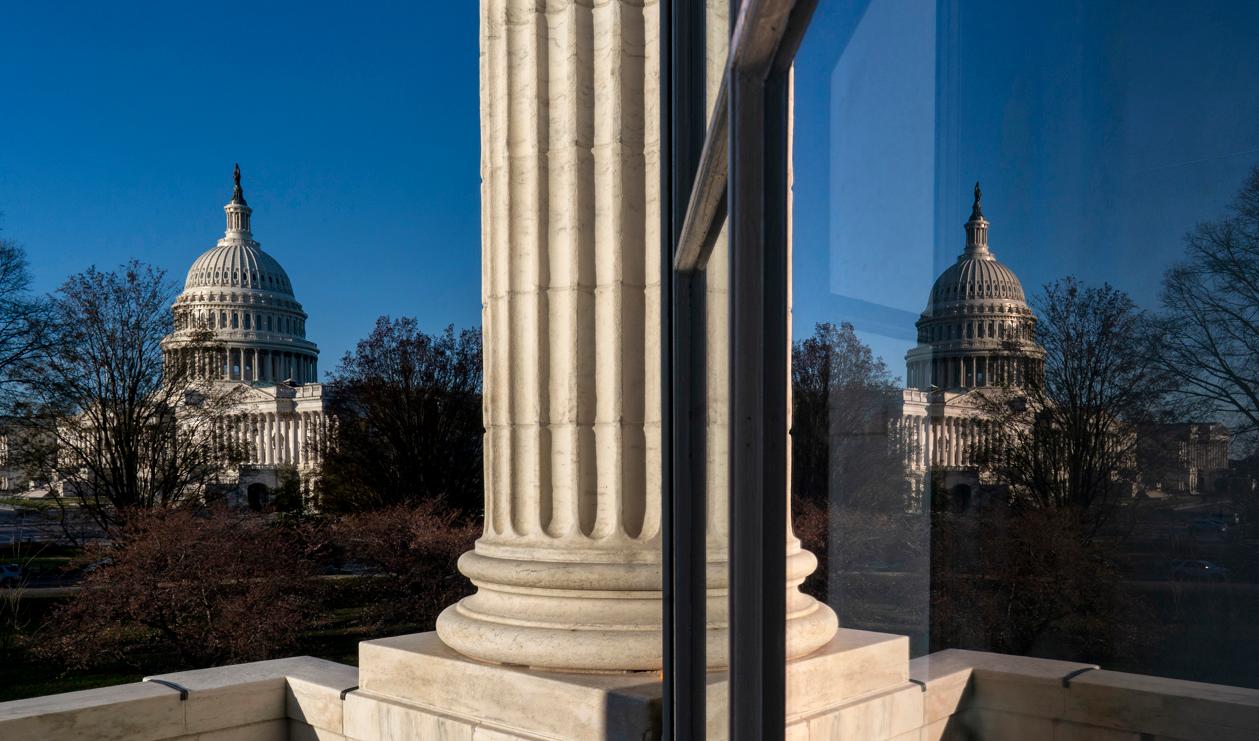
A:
{"x": 976, "y": 337}
{"x": 244, "y": 298}
{"x": 976, "y": 347}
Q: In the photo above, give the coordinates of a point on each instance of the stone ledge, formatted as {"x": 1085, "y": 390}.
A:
{"x": 227, "y": 696}
{"x": 886, "y": 714}
{"x": 303, "y": 732}
{"x": 853, "y": 663}
{"x": 267, "y": 730}
{"x": 1166, "y": 707}
{"x": 995, "y": 695}
{"x": 1013, "y": 684}
{"x": 945, "y": 684}
{"x": 371, "y": 717}
{"x": 419, "y": 670}
{"x": 314, "y": 698}
{"x": 139, "y": 711}
{"x": 422, "y": 675}
{"x": 245, "y": 702}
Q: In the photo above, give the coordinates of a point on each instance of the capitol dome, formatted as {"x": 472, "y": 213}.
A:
{"x": 245, "y": 299}
{"x": 977, "y": 329}
{"x": 238, "y": 265}
{"x": 975, "y": 277}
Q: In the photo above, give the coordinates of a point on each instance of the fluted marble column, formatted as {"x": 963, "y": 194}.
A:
{"x": 268, "y": 426}
{"x": 302, "y": 457}
{"x": 568, "y": 570}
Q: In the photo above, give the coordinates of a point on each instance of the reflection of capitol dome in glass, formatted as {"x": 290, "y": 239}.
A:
{"x": 244, "y": 297}
{"x": 975, "y": 277}
{"x": 977, "y": 329}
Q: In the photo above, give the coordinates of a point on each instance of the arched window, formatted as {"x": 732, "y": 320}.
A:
{"x": 235, "y": 320}
{"x": 247, "y": 322}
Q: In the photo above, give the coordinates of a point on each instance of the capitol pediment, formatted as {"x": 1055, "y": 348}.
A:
{"x": 249, "y": 393}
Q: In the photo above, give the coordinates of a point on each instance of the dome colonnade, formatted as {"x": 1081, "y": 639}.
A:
{"x": 275, "y": 437}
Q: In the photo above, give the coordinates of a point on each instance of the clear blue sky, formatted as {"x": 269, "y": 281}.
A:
{"x": 1102, "y": 132}
{"x": 355, "y": 125}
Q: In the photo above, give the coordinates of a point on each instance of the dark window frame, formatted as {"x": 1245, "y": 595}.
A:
{"x": 742, "y": 171}
{"x": 683, "y": 562}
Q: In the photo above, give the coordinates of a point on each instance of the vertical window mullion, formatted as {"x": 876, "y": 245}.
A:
{"x": 684, "y": 513}
{"x": 758, "y": 418}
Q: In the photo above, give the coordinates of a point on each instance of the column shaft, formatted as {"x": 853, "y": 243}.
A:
{"x": 570, "y": 298}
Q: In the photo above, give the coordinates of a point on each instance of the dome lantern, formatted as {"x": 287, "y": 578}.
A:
{"x": 977, "y": 227}
{"x": 237, "y": 209}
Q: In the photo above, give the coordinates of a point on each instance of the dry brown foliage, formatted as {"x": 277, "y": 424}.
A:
{"x": 213, "y": 587}
{"x": 414, "y": 548}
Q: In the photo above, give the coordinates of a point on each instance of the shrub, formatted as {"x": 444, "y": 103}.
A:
{"x": 415, "y": 548}
{"x": 211, "y": 587}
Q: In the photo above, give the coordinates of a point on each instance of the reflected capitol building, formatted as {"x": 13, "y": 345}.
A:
{"x": 977, "y": 336}
{"x": 244, "y": 297}
{"x": 977, "y": 333}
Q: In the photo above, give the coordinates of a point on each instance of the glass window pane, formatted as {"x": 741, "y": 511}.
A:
{"x": 1025, "y": 329}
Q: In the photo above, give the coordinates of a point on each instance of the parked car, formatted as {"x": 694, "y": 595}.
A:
{"x": 1199, "y": 570}
{"x": 10, "y": 575}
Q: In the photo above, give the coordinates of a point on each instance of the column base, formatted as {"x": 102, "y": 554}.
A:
{"x": 576, "y": 615}
{"x": 600, "y": 616}
{"x": 414, "y": 686}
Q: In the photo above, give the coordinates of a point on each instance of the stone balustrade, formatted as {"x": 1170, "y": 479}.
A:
{"x": 976, "y": 695}
{"x": 862, "y": 685}
{"x": 298, "y": 698}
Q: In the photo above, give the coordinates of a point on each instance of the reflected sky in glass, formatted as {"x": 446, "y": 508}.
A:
{"x": 1102, "y": 133}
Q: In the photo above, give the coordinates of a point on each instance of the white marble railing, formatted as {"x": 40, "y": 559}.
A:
{"x": 976, "y": 695}
{"x": 297, "y": 698}
{"x": 861, "y": 686}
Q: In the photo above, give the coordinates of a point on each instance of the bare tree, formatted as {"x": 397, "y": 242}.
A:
{"x": 23, "y": 320}
{"x": 408, "y": 420}
{"x": 1068, "y": 441}
{"x": 841, "y": 398}
{"x": 848, "y": 474}
{"x": 1211, "y": 337}
{"x": 109, "y": 423}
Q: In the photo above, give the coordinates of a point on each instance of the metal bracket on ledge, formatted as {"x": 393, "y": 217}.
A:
{"x": 183, "y": 691}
